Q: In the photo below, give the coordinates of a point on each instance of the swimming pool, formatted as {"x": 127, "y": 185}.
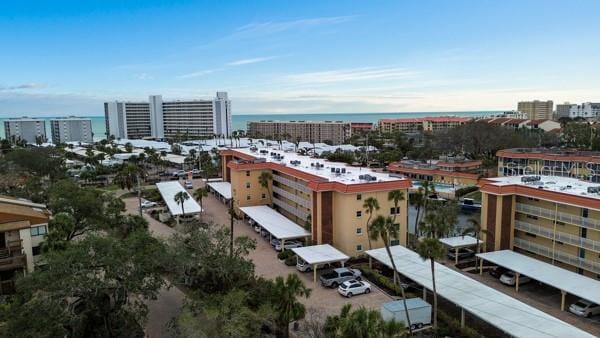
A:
{"x": 439, "y": 187}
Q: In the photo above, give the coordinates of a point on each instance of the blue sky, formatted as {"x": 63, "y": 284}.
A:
{"x": 67, "y": 57}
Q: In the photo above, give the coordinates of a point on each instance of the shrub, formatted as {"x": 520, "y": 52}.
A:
{"x": 285, "y": 254}
{"x": 463, "y": 191}
{"x": 381, "y": 281}
{"x": 450, "y": 327}
{"x": 290, "y": 261}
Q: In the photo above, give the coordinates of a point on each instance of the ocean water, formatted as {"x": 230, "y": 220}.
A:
{"x": 240, "y": 121}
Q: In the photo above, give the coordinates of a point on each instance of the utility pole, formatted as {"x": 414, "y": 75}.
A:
{"x": 139, "y": 193}
{"x": 231, "y": 229}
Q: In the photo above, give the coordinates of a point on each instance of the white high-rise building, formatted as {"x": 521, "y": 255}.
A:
{"x": 586, "y": 110}
{"x": 30, "y": 130}
{"x": 71, "y": 129}
{"x": 169, "y": 119}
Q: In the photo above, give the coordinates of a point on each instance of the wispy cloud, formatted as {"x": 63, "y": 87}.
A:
{"x": 32, "y": 85}
{"x": 272, "y": 27}
{"x": 199, "y": 73}
{"x": 355, "y": 74}
{"x": 250, "y": 61}
{"x": 143, "y": 76}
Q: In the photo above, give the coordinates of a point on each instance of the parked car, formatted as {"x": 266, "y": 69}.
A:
{"x": 353, "y": 287}
{"x": 584, "y": 308}
{"x": 188, "y": 185}
{"x": 288, "y": 245}
{"x": 148, "y": 204}
{"x": 178, "y": 173}
{"x": 498, "y": 271}
{"x": 195, "y": 172}
{"x": 257, "y": 228}
{"x": 264, "y": 233}
{"x": 337, "y": 276}
{"x": 463, "y": 253}
{"x": 510, "y": 278}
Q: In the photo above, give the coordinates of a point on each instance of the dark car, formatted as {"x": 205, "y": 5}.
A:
{"x": 463, "y": 253}
{"x": 498, "y": 271}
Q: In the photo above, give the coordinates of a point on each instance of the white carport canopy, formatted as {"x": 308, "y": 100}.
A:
{"x": 506, "y": 313}
{"x": 275, "y": 223}
{"x": 459, "y": 242}
{"x": 564, "y": 280}
{"x": 168, "y": 190}
{"x": 320, "y": 254}
{"x": 222, "y": 188}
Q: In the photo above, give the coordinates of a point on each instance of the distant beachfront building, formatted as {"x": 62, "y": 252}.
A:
{"x": 455, "y": 171}
{"x": 585, "y": 110}
{"x": 335, "y": 132}
{"x": 535, "y": 110}
{"x": 30, "y": 130}
{"x": 160, "y": 119}
{"x": 413, "y": 125}
{"x": 71, "y": 129}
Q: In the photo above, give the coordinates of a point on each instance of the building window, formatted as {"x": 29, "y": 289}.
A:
{"x": 584, "y": 212}
{"x": 248, "y": 197}
{"x": 530, "y": 234}
{"x": 359, "y": 247}
{"x": 263, "y": 196}
{"x": 247, "y": 185}
{"x": 394, "y": 242}
{"x": 395, "y": 210}
{"x": 38, "y": 230}
{"x": 359, "y": 231}
{"x": 36, "y": 250}
{"x": 359, "y": 213}
{"x": 247, "y": 173}
{"x": 358, "y": 197}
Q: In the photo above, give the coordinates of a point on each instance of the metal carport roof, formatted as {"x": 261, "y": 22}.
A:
{"x": 506, "y": 313}
{"x": 168, "y": 190}
{"x": 320, "y": 254}
{"x": 275, "y": 223}
{"x": 222, "y": 188}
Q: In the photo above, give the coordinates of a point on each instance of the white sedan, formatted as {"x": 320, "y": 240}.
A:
{"x": 354, "y": 287}
{"x": 584, "y": 308}
{"x": 148, "y": 204}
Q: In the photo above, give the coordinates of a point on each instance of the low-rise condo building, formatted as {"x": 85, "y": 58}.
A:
{"x": 334, "y": 132}
{"x": 555, "y": 219}
{"x": 23, "y": 226}
{"x": 550, "y": 161}
{"x": 325, "y": 197}
{"x": 454, "y": 171}
{"x": 429, "y": 124}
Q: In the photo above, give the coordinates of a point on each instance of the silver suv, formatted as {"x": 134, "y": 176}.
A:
{"x": 337, "y": 276}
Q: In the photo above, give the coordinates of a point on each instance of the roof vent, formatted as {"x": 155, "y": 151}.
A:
{"x": 530, "y": 179}
{"x": 593, "y": 190}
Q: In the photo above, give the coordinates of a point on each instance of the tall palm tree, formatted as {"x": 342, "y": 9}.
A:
{"x": 419, "y": 200}
{"x": 386, "y": 228}
{"x": 396, "y": 196}
{"x": 264, "y": 179}
{"x": 432, "y": 249}
{"x": 288, "y": 308}
{"x": 180, "y": 199}
{"x": 199, "y": 194}
{"x": 129, "y": 175}
{"x": 370, "y": 205}
{"x": 475, "y": 229}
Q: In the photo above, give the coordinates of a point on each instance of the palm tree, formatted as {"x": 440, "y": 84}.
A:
{"x": 361, "y": 322}
{"x": 396, "y": 196}
{"x": 264, "y": 179}
{"x": 432, "y": 249}
{"x": 127, "y": 177}
{"x": 180, "y": 199}
{"x": 288, "y": 308}
{"x": 475, "y": 228}
{"x": 419, "y": 200}
{"x": 199, "y": 194}
{"x": 370, "y": 205}
{"x": 386, "y": 228}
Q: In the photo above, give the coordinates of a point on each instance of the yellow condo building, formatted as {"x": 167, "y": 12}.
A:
{"x": 325, "y": 197}
{"x": 555, "y": 219}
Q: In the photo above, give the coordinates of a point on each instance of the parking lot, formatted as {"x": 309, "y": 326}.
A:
{"x": 540, "y": 296}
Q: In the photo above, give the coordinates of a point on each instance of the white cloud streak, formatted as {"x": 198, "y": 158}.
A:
{"x": 271, "y": 27}
{"x": 356, "y": 74}
{"x": 250, "y": 61}
{"x": 32, "y": 85}
{"x": 199, "y": 73}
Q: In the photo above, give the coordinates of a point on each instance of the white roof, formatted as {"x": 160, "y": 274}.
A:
{"x": 571, "y": 282}
{"x": 320, "y": 254}
{"x": 565, "y": 185}
{"x": 460, "y": 241}
{"x": 168, "y": 190}
{"x": 274, "y": 222}
{"x": 173, "y": 158}
{"x": 515, "y": 318}
{"x": 223, "y": 188}
{"x": 308, "y": 165}
{"x": 146, "y": 143}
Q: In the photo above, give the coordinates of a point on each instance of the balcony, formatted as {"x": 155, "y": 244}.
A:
{"x": 294, "y": 211}
{"x": 557, "y": 255}
{"x": 559, "y": 216}
{"x": 12, "y": 256}
{"x": 292, "y": 197}
{"x": 558, "y": 236}
{"x": 290, "y": 183}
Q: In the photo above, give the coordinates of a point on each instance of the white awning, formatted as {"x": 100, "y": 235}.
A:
{"x": 515, "y": 318}
{"x": 223, "y": 188}
{"x": 168, "y": 190}
{"x": 460, "y": 241}
{"x": 275, "y": 223}
{"x": 565, "y": 280}
{"x": 320, "y": 254}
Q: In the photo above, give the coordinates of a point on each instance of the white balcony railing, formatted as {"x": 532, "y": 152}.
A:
{"x": 557, "y": 255}
{"x": 294, "y": 211}
{"x": 295, "y": 198}
{"x": 560, "y": 216}
{"x": 558, "y": 235}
